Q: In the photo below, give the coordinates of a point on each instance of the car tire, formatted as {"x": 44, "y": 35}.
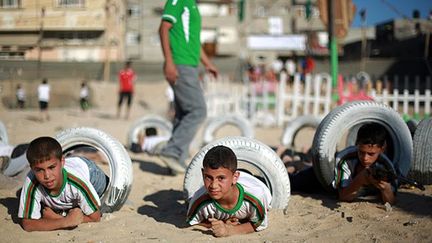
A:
{"x": 120, "y": 164}
{"x": 421, "y": 168}
{"x": 294, "y": 126}
{"x": 3, "y": 134}
{"x": 253, "y": 156}
{"x": 351, "y": 115}
{"x": 212, "y": 125}
{"x": 161, "y": 124}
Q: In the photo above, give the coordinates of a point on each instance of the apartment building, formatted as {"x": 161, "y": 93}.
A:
{"x": 239, "y": 28}
{"x": 62, "y": 30}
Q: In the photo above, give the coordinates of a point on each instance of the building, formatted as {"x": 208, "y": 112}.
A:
{"x": 62, "y": 30}
{"x": 237, "y": 28}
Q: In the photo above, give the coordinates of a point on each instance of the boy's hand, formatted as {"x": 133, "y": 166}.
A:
{"x": 232, "y": 221}
{"x": 75, "y": 216}
{"x": 48, "y": 213}
{"x": 219, "y": 228}
{"x": 380, "y": 184}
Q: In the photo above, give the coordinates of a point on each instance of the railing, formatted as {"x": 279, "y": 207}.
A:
{"x": 275, "y": 103}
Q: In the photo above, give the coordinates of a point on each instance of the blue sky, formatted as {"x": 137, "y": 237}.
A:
{"x": 378, "y": 11}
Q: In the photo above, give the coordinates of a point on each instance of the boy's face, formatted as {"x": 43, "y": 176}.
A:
{"x": 369, "y": 153}
{"x": 49, "y": 174}
{"x": 219, "y": 182}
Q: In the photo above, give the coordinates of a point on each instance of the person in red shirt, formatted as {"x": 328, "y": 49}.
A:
{"x": 126, "y": 80}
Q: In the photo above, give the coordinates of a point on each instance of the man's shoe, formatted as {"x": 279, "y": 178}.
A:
{"x": 175, "y": 166}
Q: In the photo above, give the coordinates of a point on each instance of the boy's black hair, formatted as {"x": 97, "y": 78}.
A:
{"x": 220, "y": 156}
{"x": 150, "y": 131}
{"x": 42, "y": 149}
{"x": 371, "y": 133}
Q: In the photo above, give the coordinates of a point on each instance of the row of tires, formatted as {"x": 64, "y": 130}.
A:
{"x": 336, "y": 131}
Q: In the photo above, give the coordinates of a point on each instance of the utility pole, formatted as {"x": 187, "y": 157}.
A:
{"x": 39, "y": 43}
{"x": 333, "y": 44}
{"x": 363, "y": 43}
{"x": 107, "y": 63}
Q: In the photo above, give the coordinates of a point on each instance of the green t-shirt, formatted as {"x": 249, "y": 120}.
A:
{"x": 185, "y": 32}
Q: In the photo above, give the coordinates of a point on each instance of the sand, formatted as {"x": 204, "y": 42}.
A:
{"x": 155, "y": 211}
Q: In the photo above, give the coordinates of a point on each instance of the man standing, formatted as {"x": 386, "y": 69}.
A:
{"x": 126, "y": 80}
{"x": 180, "y": 38}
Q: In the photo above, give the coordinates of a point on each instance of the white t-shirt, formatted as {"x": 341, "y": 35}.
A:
{"x": 252, "y": 205}
{"x": 20, "y": 94}
{"x": 150, "y": 143}
{"x": 44, "y": 92}
{"x": 77, "y": 191}
{"x": 84, "y": 93}
{"x": 290, "y": 67}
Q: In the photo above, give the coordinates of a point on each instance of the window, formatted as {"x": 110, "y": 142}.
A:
{"x": 10, "y": 3}
{"x": 71, "y": 3}
{"x": 134, "y": 11}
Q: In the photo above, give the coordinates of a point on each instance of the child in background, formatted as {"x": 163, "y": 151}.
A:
{"x": 43, "y": 91}
{"x": 230, "y": 202}
{"x": 84, "y": 95}
{"x": 150, "y": 142}
{"x": 20, "y": 96}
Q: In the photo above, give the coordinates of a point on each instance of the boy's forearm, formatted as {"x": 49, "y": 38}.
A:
{"x": 94, "y": 217}
{"x": 244, "y": 228}
{"x": 387, "y": 195}
{"x": 350, "y": 193}
{"x": 46, "y": 224}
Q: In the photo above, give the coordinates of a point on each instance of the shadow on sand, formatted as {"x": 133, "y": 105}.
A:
{"x": 152, "y": 167}
{"x": 12, "y": 204}
{"x": 167, "y": 208}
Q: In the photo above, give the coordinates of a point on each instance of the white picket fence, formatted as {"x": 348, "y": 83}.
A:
{"x": 274, "y": 104}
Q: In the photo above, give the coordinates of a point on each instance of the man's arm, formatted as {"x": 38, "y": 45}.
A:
{"x": 74, "y": 218}
{"x": 170, "y": 70}
{"x": 208, "y": 64}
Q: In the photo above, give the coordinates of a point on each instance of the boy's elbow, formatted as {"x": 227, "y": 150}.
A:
{"x": 26, "y": 225}
{"x": 346, "y": 198}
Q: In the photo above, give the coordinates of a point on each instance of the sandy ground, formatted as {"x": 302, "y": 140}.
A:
{"x": 155, "y": 210}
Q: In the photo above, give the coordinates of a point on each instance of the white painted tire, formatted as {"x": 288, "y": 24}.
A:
{"x": 213, "y": 124}
{"x": 421, "y": 169}
{"x": 120, "y": 164}
{"x": 3, "y": 134}
{"x": 348, "y": 116}
{"x": 163, "y": 126}
{"x": 294, "y": 126}
{"x": 253, "y": 156}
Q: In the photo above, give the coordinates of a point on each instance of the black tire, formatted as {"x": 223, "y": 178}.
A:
{"x": 3, "y": 134}
{"x": 421, "y": 168}
{"x": 212, "y": 125}
{"x": 350, "y": 115}
{"x": 252, "y": 156}
{"x": 163, "y": 126}
{"x": 120, "y": 164}
{"x": 294, "y": 126}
